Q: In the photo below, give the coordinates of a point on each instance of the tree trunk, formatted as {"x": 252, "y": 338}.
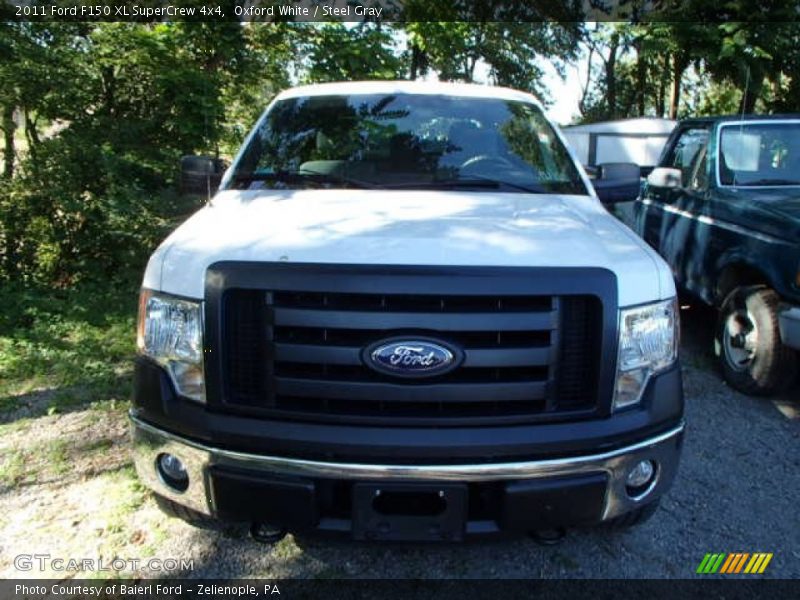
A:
{"x": 9, "y": 151}
{"x": 750, "y": 93}
{"x": 611, "y": 76}
{"x": 661, "y": 90}
{"x": 585, "y": 88}
{"x": 679, "y": 65}
{"x": 31, "y": 133}
{"x": 108, "y": 80}
{"x": 417, "y": 61}
{"x": 641, "y": 83}
{"x": 469, "y": 65}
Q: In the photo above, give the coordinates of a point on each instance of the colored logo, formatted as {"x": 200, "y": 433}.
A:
{"x": 409, "y": 357}
{"x": 733, "y": 563}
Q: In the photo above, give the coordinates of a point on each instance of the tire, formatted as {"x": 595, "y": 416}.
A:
{"x": 748, "y": 343}
{"x": 192, "y": 517}
{"x": 633, "y": 518}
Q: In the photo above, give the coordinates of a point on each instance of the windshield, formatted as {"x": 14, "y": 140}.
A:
{"x": 760, "y": 154}
{"x": 406, "y": 141}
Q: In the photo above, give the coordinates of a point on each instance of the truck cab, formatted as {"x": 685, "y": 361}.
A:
{"x": 406, "y": 315}
{"x": 723, "y": 209}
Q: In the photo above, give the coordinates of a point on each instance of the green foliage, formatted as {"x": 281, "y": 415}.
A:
{"x": 338, "y": 52}
{"x": 512, "y": 51}
{"x": 93, "y": 194}
{"x": 271, "y": 50}
{"x": 719, "y": 98}
{"x": 695, "y": 64}
{"x": 72, "y": 345}
{"x": 83, "y": 206}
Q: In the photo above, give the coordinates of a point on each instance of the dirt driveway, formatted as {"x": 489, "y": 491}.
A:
{"x": 69, "y": 492}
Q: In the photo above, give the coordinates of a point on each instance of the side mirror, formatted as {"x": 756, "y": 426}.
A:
{"x": 617, "y": 182}
{"x": 200, "y": 175}
{"x": 665, "y": 177}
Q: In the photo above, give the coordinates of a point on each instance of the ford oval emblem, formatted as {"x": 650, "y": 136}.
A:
{"x": 412, "y": 357}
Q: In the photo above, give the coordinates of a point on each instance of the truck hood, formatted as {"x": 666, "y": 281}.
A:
{"x": 410, "y": 228}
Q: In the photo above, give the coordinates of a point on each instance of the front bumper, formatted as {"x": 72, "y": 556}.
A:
{"x": 323, "y": 496}
{"x": 789, "y": 322}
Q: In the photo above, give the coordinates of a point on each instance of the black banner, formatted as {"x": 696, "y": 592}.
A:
{"x": 269, "y": 11}
{"x": 464, "y": 589}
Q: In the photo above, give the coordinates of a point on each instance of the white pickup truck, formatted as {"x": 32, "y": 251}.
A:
{"x": 406, "y": 315}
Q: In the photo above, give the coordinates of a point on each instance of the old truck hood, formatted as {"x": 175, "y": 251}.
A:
{"x": 410, "y": 228}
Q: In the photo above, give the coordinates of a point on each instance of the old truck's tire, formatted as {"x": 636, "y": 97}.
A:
{"x": 748, "y": 343}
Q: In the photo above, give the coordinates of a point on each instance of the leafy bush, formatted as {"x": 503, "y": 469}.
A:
{"x": 92, "y": 194}
{"x": 81, "y": 207}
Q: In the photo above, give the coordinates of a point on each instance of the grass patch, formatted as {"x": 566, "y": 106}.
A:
{"x": 115, "y": 498}
{"x": 56, "y": 456}
{"x": 18, "y": 426}
{"x": 12, "y": 468}
{"x": 53, "y": 458}
{"x": 66, "y": 348}
{"x": 124, "y": 495}
{"x": 286, "y": 549}
{"x": 100, "y": 444}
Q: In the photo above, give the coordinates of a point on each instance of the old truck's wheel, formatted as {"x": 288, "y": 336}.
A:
{"x": 748, "y": 343}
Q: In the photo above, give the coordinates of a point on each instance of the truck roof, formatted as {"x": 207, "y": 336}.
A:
{"x": 748, "y": 117}
{"x": 408, "y": 87}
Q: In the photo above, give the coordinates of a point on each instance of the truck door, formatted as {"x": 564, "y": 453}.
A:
{"x": 667, "y": 217}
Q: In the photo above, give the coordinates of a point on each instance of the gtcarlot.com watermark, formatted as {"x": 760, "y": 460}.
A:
{"x": 45, "y": 562}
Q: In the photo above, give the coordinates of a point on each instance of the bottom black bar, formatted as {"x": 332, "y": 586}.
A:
{"x": 441, "y": 589}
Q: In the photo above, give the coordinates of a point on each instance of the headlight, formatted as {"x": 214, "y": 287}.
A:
{"x": 170, "y": 331}
{"x": 648, "y": 343}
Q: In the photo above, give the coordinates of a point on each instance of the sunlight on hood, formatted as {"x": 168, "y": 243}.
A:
{"x": 401, "y": 227}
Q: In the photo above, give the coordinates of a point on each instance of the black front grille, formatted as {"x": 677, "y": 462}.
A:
{"x": 298, "y": 355}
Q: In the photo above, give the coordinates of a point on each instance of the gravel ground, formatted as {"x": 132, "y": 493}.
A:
{"x": 736, "y": 491}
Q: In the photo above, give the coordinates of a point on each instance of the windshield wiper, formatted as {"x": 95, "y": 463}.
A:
{"x": 464, "y": 182}
{"x": 306, "y": 175}
{"x": 303, "y": 176}
{"x": 335, "y": 178}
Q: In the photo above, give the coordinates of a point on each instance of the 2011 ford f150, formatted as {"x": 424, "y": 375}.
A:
{"x": 406, "y": 315}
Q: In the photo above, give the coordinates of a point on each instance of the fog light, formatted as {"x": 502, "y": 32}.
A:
{"x": 172, "y": 472}
{"x": 640, "y": 477}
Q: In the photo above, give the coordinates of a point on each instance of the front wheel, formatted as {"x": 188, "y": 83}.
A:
{"x": 748, "y": 343}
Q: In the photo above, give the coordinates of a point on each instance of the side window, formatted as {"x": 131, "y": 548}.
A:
{"x": 688, "y": 154}
{"x": 760, "y": 154}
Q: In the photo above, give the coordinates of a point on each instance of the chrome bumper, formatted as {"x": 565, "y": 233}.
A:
{"x": 149, "y": 442}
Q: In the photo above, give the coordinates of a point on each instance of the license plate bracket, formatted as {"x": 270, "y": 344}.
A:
{"x": 409, "y": 511}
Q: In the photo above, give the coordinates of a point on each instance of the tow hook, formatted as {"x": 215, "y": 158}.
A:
{"x": 267, "y": 533}
{"x": 549, "y": 537}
